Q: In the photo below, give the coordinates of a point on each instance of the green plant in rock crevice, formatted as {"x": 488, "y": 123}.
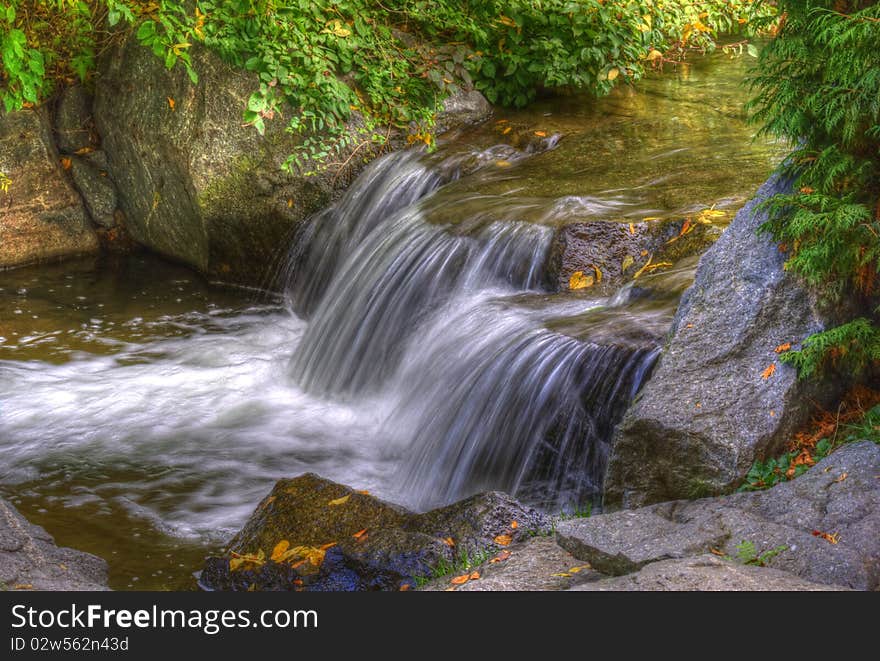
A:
{"x": 747, "y": 553}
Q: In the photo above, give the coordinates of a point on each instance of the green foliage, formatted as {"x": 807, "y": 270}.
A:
{"x": 818, "y": 86}
{"x": 463, "y": 561}
{"x": 770, "y": 472}
{"x": 393, "y": 63}
{"x": 747, "y": 553}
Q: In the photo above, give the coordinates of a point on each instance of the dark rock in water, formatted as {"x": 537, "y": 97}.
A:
{"x": 42, "y": 216}
{"x": 839, "y": 496}
{"x": 195, "y": 183}
{"x": 74, "y": 127}
{"x": 620, "y": 250}
{"x": 342, "y": 539}
{"x": 708, "y": 411}
{"x": 704, "y": 573}
{"x": 30, "y": 560}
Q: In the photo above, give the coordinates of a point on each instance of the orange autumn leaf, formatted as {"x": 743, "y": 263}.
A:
{"x": 449, "y": 541}
{"x": 363, "y": 492}
{"x": 328, "y": 545}
{"x": 783, "y": 347}
{"x": 84, "y": 150}
{"x": 279, "y": 550}
{"x": 514, "y": 525}
{"x": 461, "y": 580}
{"x": 503, "y": 540}
{"x": 842, "y": 477}
{"x": 632, "y": 229}
{"x": 506, "y": 131}
{"x": 405, "y": 587}
{"x": 831, "y": 538}
{"x": 541, "y": 134}
{"x": 170, "y": 103}
{"x": 717, "y": 552}
{"x": 475, "y": 576}
{"x": 767, "y": 373}
{"x": 66, "y": 163}
{"x": 501, "y": 557}
{"x": 359, "y": 534}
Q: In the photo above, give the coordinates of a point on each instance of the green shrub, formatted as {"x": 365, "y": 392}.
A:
{"x": 818, "y": 86}
{"x": 393, "y": 62}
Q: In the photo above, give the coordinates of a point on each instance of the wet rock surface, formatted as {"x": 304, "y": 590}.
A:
{"x": 704, "y": 573}
{"x": 30, "y": 560}
{"x": 357, "y": 541}
{"x": 42, "y": 217}
{"x": 838, "y": 497}
{"x": 613, "y": 253}
{"x": 708, "y": 411}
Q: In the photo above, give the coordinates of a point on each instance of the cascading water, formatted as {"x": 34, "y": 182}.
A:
{"x": 419, "y": 314}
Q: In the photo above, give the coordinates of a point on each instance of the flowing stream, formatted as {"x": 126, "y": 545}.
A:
{"x": 418, "y": 349}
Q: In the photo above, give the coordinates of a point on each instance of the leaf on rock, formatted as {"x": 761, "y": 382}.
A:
{"x": 170, "y": 102}
{"x": 475, "y": 576}
{"x": 461, "y": 580}
{"x": 279, "y": 550}
{"x": 360, "y": 534}
{"x": 541, "y": 134}
{"x": 339, "y": 501}
{"x": 503, "y": 540}
{"x": 501, "y": 557}
{"x": 783, "y": 348}
{"x": 449, "y": 541}
{"x": 628, "y": 261}
{"x": 580, "y": 281}
{"x": 831, "y": 538}
{"x": 514, "y": 525}
{"x": 842, "y": 477}
{"x": 767, "y": 373}
{"x": 66, "y": 163}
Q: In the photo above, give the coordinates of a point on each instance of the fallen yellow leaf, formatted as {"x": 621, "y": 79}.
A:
{"x": 613, "y": 73}
{"x": 541, "y": 134}
{"x": 507, "y": 130}
{"x": 503, "y": 540}
{"x": 767, "y": 373}
{"x": 580, "y": 281}
{"x": 627, "y": 262}
{"x": 502, "y": 164}
{"x": 339, "y": 501}
{"x": 279, "y": 550}
{"x": 170, "y": 102}
{"x": 842, "y": 477}
{"x": 461, "y": 580}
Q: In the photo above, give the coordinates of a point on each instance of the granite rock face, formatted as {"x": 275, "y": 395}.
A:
{"x": 708, "y": 411}
{"x": 30, "y": 560}
{"x": 704, "y": 573}
{"x": 839, "y": 497}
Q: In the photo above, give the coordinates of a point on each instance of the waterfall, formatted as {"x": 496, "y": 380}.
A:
{"x": 446, "y": 319}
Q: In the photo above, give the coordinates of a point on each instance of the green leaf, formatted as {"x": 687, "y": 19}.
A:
{"x": 752, "y": 50}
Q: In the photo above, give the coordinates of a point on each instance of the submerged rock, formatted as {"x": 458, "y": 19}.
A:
{"x": 711, "y": 407}
{"x": 823, "y": 526}
{"x": 30, "y": 560}
{"x": 41, "y": 216}
{"x": 614, "y": 252}
{"x": 349, "y": 540}
{"x": 195, "y": 183}
{"x": 704, "y": 573}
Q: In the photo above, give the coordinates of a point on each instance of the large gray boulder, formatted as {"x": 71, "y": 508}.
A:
{"x": 42, "y": 217}
{"x": 30, "y": 560}
{"x": 197, "y": 185}
{"x": 705, "y": 573}
{"x": 827, "y": 520}
{"x": 719, "y": 397}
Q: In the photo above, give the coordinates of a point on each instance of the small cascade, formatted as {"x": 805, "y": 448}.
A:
{"x": 423, "y": 315}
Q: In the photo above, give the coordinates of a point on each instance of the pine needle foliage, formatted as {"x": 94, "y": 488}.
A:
{"x": 818, "y": 86}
